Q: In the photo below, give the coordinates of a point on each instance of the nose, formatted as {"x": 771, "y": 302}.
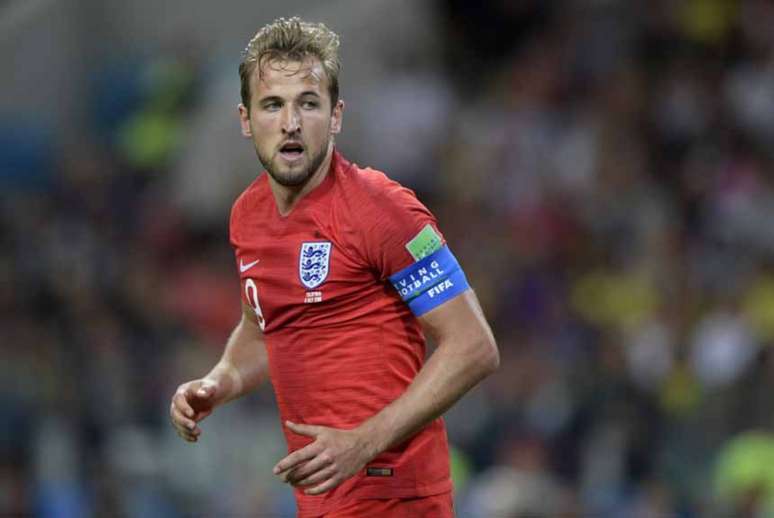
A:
{"x": 291, "y": 120}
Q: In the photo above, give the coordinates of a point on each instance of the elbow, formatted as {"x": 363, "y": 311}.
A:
{"x": 489, "y": 360}
{"x": 494, "y": 357}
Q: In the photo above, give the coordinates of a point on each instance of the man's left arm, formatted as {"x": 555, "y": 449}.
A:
{"x": 466, "y": 353}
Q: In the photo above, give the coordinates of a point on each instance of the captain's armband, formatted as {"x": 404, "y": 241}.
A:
{"x": 431, "y": 281}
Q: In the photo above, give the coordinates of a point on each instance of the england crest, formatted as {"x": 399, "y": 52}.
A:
{"x": 313, "y": 263}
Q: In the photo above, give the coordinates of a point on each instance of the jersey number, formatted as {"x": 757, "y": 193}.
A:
{"x": 251, "y": 292}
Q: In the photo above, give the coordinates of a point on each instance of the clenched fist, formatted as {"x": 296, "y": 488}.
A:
{"x": 192, "y": 402}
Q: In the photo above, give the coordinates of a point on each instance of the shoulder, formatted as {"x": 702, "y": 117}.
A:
{"x": 251, "y": 196}
{"x": 371, "y": 188}
{"x": 381, "y": 219}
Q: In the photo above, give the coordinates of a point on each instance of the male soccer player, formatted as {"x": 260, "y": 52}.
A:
{"x": 341, "y": 271}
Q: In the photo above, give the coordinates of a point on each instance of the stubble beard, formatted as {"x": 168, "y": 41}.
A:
{"x": 288, "y": 177}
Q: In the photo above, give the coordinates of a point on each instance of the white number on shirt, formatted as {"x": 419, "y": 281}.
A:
{"x": 251, "y": 293}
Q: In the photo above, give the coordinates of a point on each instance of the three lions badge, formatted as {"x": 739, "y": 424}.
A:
{"x": 314, "y": 263}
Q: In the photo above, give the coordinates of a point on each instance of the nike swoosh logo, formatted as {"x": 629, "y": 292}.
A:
{"x": 244, "y": 267}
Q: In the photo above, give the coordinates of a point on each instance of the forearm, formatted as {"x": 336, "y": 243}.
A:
{"x": 452, "y": 370}
{"x": 244, "y": 364}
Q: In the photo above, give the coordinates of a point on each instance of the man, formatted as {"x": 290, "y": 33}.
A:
{"x": 341, "y": 270}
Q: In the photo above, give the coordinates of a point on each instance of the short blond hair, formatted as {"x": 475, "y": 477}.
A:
{"x": 292, "y": 39}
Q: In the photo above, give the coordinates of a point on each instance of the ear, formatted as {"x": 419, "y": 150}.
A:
{"x": 336, "y": 117}
{"x": 244, "y": 121}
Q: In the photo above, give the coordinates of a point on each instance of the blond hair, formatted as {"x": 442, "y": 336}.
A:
{"x": 292, "y": 39}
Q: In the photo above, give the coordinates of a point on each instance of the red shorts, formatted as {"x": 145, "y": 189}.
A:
{"x": 435, "y": 506}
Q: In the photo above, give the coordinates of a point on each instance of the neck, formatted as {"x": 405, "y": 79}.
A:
{"x": 288, "y": 197}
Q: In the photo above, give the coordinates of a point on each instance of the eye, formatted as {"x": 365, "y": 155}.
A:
{"x": 309, "y": 104}
{"x": 272, "y": 106}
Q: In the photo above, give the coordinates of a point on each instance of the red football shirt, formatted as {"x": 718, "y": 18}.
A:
{"x": 341, "y": 343}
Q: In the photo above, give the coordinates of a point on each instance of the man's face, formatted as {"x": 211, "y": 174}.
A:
{"x": 290, "y": 120}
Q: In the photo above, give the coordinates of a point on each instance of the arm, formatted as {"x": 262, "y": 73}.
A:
{"x": 243, "y": 366}
{"x": 466, "y": 353}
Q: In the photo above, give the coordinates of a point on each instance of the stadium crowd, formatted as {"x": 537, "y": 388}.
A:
{"x": 603, "y": 170}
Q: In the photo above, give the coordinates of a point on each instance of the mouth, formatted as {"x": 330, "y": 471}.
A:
{"x": 291, "y": 151}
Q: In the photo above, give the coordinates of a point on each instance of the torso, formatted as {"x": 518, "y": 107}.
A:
{"x": 341, "y": 343}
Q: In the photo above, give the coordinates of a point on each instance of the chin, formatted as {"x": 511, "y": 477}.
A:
{"x": 290, "y": 179}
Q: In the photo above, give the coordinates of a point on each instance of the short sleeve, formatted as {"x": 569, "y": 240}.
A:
{"x": 398, "y": 229}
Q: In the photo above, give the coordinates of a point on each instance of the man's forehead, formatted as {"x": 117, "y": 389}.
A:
{"x": 283, "y": 70}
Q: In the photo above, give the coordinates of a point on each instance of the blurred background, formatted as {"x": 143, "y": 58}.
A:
{"x": 604, "y": 170}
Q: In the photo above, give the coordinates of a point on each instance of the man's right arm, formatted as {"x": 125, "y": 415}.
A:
{"x": 243, "y": 366}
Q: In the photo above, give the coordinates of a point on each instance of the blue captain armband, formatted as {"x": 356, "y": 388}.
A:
{"x": 431, "y": 281}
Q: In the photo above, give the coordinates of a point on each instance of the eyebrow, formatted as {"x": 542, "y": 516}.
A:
{"x": 269, "y": 98}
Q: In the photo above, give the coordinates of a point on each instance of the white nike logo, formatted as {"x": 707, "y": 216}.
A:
{"x": 244, "y": 267}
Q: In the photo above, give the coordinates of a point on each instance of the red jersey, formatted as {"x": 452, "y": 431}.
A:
{"x": 341, "y": 343}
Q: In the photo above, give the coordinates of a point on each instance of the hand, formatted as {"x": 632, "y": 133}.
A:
{"x": 333, "y": 457}
{"x": 192, "y": 402}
